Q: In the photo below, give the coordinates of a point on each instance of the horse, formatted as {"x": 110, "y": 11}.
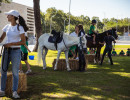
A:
{"x": 99, "y": 38}
{"x": 63, "y": 46}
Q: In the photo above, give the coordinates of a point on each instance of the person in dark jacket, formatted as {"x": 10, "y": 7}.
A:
{"x": 108, "y": 40}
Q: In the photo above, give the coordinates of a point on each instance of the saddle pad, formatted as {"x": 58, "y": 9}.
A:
{"x": 89, "y": 38}
{"x": 50, "y": 39}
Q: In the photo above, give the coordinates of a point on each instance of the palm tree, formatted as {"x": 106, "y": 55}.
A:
{"x": 38, "y": 26}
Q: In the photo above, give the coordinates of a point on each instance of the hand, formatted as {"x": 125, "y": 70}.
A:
{"x": 7, "y": 45}
{"x": 29, "y": 51}
{"x": 114, "y": 41}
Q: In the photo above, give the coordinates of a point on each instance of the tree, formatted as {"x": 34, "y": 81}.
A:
{"x": 37, "y": 17}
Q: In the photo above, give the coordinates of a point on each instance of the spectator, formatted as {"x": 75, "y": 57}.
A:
{"x": 128, "y": 52}
{"x": 114, "y": 53}
{"x": 122, "y": 53}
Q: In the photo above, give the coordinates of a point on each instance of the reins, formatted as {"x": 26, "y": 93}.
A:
{"x": 3, "y": 59}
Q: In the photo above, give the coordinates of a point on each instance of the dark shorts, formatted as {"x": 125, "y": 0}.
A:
{"x": 91, "y": 34}
{"x": 24, "y": 56}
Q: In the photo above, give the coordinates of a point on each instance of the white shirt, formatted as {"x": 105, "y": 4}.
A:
{"x": 13, "y": 34}
{"x": 73, "y": 34}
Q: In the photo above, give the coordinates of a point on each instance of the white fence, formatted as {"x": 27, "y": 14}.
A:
{"x": 123, "y": 38}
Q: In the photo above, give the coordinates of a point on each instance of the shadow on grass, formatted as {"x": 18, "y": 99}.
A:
{"x": 98, "y": 82}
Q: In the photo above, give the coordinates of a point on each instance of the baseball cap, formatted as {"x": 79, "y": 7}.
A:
{"x": 12, "y": 12}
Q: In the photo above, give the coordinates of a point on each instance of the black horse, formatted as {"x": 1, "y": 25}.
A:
{"x": 99, "y": 38}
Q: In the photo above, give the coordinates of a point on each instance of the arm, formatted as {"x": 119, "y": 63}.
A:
{"x": 2, "y": 36}
{"x": 22, "y": 42}
{"x": 101, "y": 43}
{"x": 114, "y": 41}
{"x": 27, "y": 47}
{"x": 93, "y": 31}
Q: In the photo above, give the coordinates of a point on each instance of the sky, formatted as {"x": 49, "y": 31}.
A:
{"x": 100, "y": 8}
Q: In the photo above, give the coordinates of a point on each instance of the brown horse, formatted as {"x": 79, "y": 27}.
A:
{"x": 99, "y": 38}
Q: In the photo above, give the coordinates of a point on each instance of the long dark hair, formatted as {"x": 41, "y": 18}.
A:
{"x": 21, "y": 22}
{"x": 81, "y": 29}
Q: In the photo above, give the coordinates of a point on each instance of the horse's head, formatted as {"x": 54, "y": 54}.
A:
{"x": 113, "y": 33}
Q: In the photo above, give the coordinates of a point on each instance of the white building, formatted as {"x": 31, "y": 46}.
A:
{"x": 26, "y": 12}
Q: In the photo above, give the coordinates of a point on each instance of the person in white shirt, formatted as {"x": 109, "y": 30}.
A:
{"x": 72, "y": 50}
{"x": 15, "y": 33}
{"x": 75, "y": 33}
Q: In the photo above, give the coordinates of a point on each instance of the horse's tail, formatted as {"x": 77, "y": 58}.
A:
{"x": 39, "y": 55}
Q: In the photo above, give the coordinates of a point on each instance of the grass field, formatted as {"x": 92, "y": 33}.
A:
{"x": 104, "y": 82}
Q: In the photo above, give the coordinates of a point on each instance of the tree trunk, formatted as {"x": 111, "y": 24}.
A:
{"x": 38, "y": 28}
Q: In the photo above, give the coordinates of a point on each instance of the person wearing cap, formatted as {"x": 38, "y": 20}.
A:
{"x": 108, "y": 40}
{"x": 15, "y": 37}
{"x": 114, "y": 53}
{"x": 24, "y": 55}
{"x": 122, "y": 53}
{"x": 128, "y": 52}
{"x": 92, "y": 30}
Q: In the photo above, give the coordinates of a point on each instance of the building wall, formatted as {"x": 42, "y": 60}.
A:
{"x": 26, "y": 12}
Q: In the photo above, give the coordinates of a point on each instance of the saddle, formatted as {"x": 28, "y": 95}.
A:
{"x": 89, "y": 38}
{"x": 56, "y": 38}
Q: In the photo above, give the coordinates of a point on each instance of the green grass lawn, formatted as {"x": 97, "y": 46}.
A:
{"x": 104, "y": 82}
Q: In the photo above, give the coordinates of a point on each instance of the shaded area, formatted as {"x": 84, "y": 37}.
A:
{"x": 98, "y": 82}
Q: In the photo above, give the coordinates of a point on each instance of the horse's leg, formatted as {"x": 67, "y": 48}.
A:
{"x": 95, "y": 58}
{"x": 98, "y": 53}
{"x": 43, "y": 57}
{"x": 67, "y": 60}
{"x": 58, "y": 55}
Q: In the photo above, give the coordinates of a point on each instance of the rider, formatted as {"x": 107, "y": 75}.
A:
{"x": 92, "y": 30}
{"x": 108, "y": 40}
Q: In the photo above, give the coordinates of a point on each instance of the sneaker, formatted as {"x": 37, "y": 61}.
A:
{"x": 20, "y": 71}
{"x": 77, "y": 58}
{"x": 2, "y": 93}
{"x": 15, "y": 95}
{"x": 28, "y": 71}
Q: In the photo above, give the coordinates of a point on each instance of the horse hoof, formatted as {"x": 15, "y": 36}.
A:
{"x": 69, "y": 70}
{"x": 55, "y": 69}
{"x": 44, "y": 68}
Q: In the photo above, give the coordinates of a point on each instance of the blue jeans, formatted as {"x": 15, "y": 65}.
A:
{"x": 15, "y": 57}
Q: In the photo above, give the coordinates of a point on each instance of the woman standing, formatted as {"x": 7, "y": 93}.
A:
{"x": 15, "y": 33}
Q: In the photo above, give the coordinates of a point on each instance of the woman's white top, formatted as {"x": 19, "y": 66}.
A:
{"x": 13, "y": 34}
{"x": 73, "y": 34}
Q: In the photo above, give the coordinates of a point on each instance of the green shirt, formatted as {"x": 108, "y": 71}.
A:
{"x": 122, "y": 53}
{"x": 91, "y": 28}
{"x": 23, "y": 48}
{"x": 72, "y": 48}
{"x": 113, "y": 52}
{"x": 128, "y": 52}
